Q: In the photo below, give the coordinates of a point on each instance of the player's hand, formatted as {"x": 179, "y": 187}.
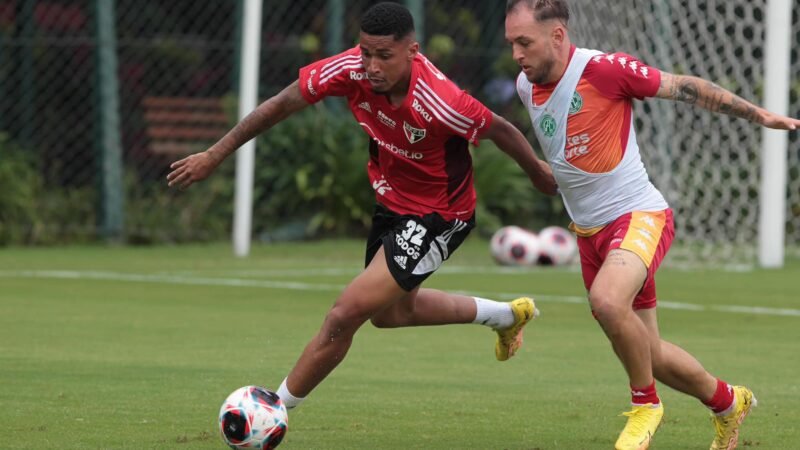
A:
{"x": 777, "y": 122}
{"x": 544, "y": 180}
{"x": 548, "y": 187}
{"x": 193, "y": 168}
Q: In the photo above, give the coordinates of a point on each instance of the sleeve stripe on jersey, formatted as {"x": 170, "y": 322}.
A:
{"x": 427, "y": 89}
{"x": 340, "y": 70}
{"x": 424, "y": 95}
{"x": 328, "y": 70}
{"x": 438, "y": 113}
{"x": 337, "y": 62}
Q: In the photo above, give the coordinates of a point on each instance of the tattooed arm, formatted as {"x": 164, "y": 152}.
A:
{"x": 697, "y": 91}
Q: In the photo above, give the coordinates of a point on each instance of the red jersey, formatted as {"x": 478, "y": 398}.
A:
{"x": 599, "y": 128}
{"x": 419, "y": 151}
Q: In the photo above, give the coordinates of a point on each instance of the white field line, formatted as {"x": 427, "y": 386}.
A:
{"x": 275, "y": 284}
{"x": 168, "y": 279}
{"x": 447, "y": 269}
{"x": 355, "y": 270}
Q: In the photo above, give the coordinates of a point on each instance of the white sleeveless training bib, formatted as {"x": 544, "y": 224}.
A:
{"x": 591, "y": 199}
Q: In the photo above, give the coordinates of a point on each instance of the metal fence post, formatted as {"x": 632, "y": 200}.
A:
{"x": 108, "y": 142}
{"x": 28, "y": 78}
{"x": 334, "y": 29}
{"x": 417, "y": 8}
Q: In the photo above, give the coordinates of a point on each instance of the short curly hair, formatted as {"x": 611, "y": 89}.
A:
{"x": 388, "y": 19}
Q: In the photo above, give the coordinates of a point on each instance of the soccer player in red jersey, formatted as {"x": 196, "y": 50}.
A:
{"x": 580, "y": 103}
{"x": 420, "y": 125}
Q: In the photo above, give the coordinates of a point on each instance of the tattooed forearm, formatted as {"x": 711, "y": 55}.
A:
{"x": 685, "y": 91}
{"x": 740, "y": 108}
{"x": 717, "y": 99}
{"x": 708, "y": 95}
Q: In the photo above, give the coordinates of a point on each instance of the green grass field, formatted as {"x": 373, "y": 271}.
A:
{"x": 136, "y": 348}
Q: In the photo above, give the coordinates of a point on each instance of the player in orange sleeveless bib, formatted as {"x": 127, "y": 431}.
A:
{"x": 619, "y": 257}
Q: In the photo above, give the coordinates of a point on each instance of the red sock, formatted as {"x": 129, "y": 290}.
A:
{"x": 642, "y": 396}
{"x": 722, "y": 399}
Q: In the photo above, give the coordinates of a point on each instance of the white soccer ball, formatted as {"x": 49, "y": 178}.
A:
{"x": 558, "y": 246}
{"x": 253, "y": 417}
{"x": 514, "y": 246}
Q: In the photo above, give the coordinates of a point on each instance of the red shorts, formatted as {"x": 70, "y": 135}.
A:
{"x": 647, "y": 234}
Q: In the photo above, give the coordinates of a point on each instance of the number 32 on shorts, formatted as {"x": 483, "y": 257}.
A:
{"x": 411, "y": 228}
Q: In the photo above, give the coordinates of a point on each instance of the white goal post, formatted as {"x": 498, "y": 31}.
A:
{"x": 248, "y": 100}
{"x": 775, "y": 144}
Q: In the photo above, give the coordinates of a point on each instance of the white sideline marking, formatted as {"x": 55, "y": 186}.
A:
{"x": 355, "y": 270}
{"x": 168, "y": 279}
{"x": 273, "y": 284}
{"x": 451, "y": 269}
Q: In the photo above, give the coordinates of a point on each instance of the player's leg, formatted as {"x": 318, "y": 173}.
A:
{"x": 415, "y": 248}
{"x": 434, "y": 307}
{"x": 633, "y": 246}
{"x": 611, "y": 297}
{"x": 370, "y": 292}
{"x": 674, "y": 366}
{"x": 681, "y": 371}
{"x": 430, "y": 307}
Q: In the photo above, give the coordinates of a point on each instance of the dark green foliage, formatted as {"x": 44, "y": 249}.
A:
{"x": 19, "y": 181}
{"x": 33, "y": 213}
{"x": 312, "y": 168}
{"x": 155, "y": 213}
{"x": 507, "y": 197}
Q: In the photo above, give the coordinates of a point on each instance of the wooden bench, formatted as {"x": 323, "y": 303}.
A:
{"x": 177, "y": 126}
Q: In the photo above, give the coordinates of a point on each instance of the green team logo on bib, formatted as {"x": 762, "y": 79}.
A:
{"x": 576, "y": 104}
{"x": 548, "y": 125}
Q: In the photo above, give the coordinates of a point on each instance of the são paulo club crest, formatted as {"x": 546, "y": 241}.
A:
{"x": 414, "y": 135}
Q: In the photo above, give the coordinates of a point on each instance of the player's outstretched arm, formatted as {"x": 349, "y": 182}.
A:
{"x": 708, "y": 95}
{"x": 199, "y": 166}
{"x": 511, "y": 141}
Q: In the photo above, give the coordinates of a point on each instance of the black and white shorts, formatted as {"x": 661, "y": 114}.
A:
{"x": 415, "y": 246}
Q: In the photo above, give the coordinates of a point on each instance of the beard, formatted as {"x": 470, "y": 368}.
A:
{"x": 541, "y": 74}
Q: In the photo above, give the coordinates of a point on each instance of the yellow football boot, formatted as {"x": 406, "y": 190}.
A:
{"x": 727, "y": 426}
{"x": 509, "y": 340}
{"x": 643, "y": 421}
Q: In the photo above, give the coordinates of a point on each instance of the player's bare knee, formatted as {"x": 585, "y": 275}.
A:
{"x": 344, "y": 318}
{"x": 606, "y": 310}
